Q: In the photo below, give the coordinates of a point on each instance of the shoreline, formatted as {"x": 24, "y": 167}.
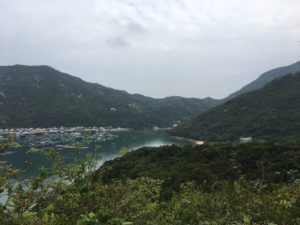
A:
{"x": 193, "y": 141}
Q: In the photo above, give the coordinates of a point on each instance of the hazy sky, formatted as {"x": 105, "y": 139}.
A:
{"x": 158, "y": 48}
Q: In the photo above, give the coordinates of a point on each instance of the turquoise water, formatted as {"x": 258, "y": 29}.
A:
{"x": 132, "y": 140}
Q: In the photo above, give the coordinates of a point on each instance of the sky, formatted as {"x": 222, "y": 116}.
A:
{"x": 159, "y": 48}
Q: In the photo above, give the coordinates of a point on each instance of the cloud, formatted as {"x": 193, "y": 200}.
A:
{"x": 191, "y": 43}
{"x": 136, "y": 28}
{"x": 117, "y": 42}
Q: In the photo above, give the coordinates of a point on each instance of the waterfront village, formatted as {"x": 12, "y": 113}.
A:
{"x": 60, "y": 137}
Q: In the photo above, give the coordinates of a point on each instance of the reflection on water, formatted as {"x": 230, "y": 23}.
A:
{"x": 132, "y": 140}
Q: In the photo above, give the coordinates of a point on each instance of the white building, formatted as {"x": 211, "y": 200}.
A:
{"x": 244, "y": 140}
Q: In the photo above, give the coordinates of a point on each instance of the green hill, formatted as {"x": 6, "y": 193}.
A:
{"x": 265, "y": 78}
{"x": 40, "y": 96}
{"x": 272, "y": 112}
{"x": 206, "y": 164}
{"x": 212, "y": 184}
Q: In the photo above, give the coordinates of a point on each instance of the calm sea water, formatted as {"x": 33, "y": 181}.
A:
{"x": 132, "y": 140}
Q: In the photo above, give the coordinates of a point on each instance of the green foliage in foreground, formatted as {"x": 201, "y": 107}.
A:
{"x": 208, "y": 165}
{"x": 75, "y": 198}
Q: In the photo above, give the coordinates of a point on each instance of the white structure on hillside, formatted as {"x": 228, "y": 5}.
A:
{"x": 244, "y": 140}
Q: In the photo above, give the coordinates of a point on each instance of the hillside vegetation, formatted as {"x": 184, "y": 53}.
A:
{"x": 211, "y": 184}
{"x": 206, "y": 165}
{"x": 266, "y": 78}
{"x": 40, "y": 96}
{"x": 272, "y": 112}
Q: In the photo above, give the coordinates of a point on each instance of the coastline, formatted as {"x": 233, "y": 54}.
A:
{"x": 193, "y": 141}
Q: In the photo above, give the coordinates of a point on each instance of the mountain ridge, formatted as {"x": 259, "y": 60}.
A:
{"x": 272, "y": 112}
{"x": 43, "y": 96}
{"x": 265, "y": 78}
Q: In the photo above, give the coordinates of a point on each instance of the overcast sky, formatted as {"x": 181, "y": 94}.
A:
{"x": 193, "y": 48}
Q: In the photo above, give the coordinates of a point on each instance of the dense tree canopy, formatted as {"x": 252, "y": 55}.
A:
{"x": 40, "y": 96}
{"x": 210, "y": 184}
{"x": 269, "y": 113}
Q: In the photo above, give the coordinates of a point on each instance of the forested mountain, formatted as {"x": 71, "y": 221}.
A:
{"x": 40, "y": 96}
{"x": 265, "y": 78}
{"x": 272, "y": 112}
